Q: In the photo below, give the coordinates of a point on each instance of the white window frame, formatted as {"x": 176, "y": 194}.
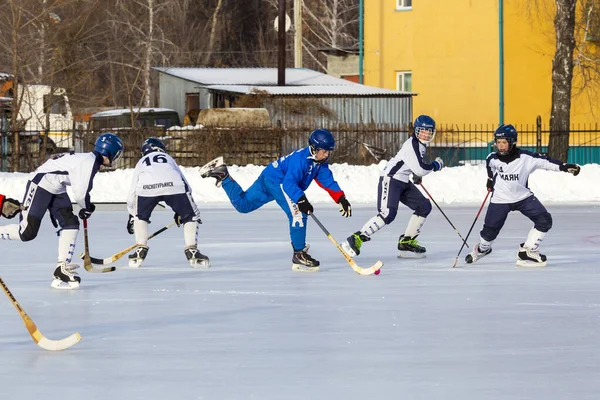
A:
{"x": 403, "y": 5}
{"x": 400, "y": 80}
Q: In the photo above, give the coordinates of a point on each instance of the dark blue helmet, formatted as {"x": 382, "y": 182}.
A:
{"x": 424, "y": 127}
{"x": 321, "y": 139}
{"x": 509, "y": 133}
{"x": 109, "y": 145}
{"x": 153, "y": 144}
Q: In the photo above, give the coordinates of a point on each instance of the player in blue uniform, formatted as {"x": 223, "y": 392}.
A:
{"x": 47, "y": 191}
{"x": 285, "y": 181}
{"x": 508, "y": 172}
{"x": 395, "y": 187}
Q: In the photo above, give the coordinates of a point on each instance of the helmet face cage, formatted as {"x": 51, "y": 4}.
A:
{"x": 425, "y": 135}
{"x": 424, "y": 128}
{"x": 507, "y": 132}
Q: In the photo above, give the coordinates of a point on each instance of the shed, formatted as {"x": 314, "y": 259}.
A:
{"x": 309, "y": 96}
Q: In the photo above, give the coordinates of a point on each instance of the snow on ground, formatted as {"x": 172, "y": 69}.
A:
{"x": 465, "y": 184}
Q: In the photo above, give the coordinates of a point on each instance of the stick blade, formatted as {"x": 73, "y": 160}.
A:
{"x": 373, "y": 269}
{"x": 57, "y": 345}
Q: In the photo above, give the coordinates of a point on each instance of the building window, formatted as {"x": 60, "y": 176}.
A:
{"x": 404, "y": 81}
{"x": 403, "y": 4}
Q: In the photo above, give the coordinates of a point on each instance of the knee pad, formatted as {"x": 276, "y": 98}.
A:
{"x": 489, "y": 234}
{"x": 424, "y": 209}
{"x": 388, "y": 219}
{"x": 67, "y": 219}
{"x": 543, "y": 222}
{"x": 32, "y": 229}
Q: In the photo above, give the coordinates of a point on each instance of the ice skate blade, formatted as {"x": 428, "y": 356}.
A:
{"x": 60, "y": 285}
{"x": 531, "y": 264}
{"x": 346, "y": 247}
{"x": 304, "y": 268}
{"x": 410, "y": 254}
{"x": 200, "y": 264}
{"x": 209, "y": 166}
{"x": 135, "y": 263}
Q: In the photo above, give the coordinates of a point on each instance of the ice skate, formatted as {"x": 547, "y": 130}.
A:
{"x": 196, "y": 259}
{"x": 354, "y": 242}
{"x": 65, "y": 277}
{"x": 303, "y": 262}
{"x": 476, "y": 254}
{"x": 215, "y": 169}
{"x": 527, "y": 257}
{"x": 410, "y": 248}
{"x": 138, "y": 256}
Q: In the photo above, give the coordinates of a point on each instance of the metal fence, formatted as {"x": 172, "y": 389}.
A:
{"x": 357, "y": 144}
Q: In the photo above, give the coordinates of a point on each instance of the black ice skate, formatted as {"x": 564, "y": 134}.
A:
{"x": 410, "y": 248}
{"x": 476, "y": 254}
{"x": 354, "y": 242}
{"x": 527, "y": 257}
{"x": 215, "y": 169}
{"x": 196, "y": 259}
{"x": 138, "y": 256}
{"x": 302, "y": 261}
{"x": 65, "y": 277}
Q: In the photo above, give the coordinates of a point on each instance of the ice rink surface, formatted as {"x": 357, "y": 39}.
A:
{"x": 251, "y": 328}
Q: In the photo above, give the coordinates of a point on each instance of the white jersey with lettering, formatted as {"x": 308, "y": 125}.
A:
{"x": 409, "y": 160}
{"x": 512, "y": 175}
{"x": 156, "y": 174}
{"x": 75, "y": 170}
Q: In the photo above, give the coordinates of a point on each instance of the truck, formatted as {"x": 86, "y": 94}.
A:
{"x": 42, "y": 110}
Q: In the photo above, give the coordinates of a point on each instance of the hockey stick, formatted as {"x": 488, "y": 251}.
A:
{"x": 116, "y": 256}
{"x": 374, "y": 269}
{"x": 445, "y": 216}
{"x": 36, "y": 335}
{"x": 469, "y": 233}
{"x": 87, "y": 262}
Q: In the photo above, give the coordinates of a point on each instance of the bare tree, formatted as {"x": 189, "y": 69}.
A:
{"x": 562, "y": 77}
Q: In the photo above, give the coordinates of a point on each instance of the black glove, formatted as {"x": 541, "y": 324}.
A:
{"x": 85, "y": 213}
{"x": 177, "y": 219}
{"x": 345, "y": 207}
{"x": 570, "y": 168}
{"x": 489, "y": 184}
{"x": 417, "y": 179}
{"x": 304, "y": 206}
{"x": 10, "y": 208}
{"x": 130, "y": 225}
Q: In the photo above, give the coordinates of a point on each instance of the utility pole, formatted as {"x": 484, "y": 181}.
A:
{"x": 298, "y": 33}
{"x": 281, "y": 44}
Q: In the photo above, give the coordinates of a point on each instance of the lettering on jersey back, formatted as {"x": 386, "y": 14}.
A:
{"x": 158, "y": 185}
{"x": 509, "y": 177}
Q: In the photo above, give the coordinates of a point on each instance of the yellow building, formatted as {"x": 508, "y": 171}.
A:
{"x": 449, "y": 52}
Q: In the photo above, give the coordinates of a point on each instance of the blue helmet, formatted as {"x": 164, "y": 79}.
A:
{"x": 321, "y": 139}
{"x": 153, "y": 144}
{"x": 109, "y": 145}
{"x": 509, "y": 133}
{"x": 424, "y": 128}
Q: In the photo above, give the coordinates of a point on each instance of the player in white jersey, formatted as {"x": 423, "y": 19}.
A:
{"x": 395, "y": 187}
{"x": 508, "y": 172}
{"x": 47, "y": 191}
{"x": 156, "y": 178}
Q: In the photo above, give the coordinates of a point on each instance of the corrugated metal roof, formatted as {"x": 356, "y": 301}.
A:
{"x": 317, "y": 90}
{"x": 299, "y": 81}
